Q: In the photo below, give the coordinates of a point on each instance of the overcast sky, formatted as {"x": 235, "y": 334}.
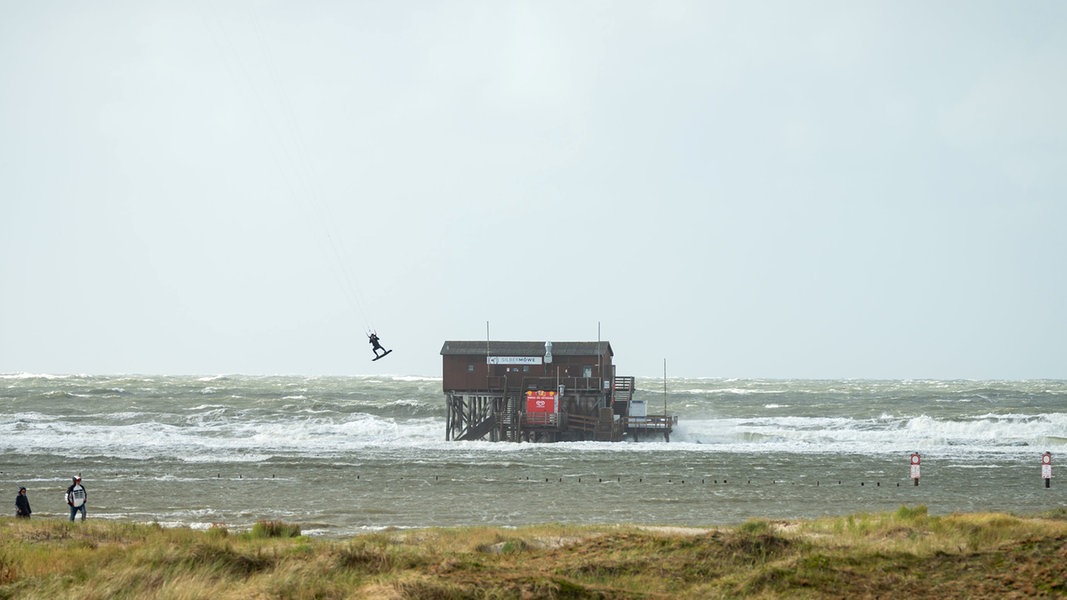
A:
{"x": 742, "y": 189}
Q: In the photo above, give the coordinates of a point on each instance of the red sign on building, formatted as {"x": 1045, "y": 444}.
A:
{"x": 540, "y": 401}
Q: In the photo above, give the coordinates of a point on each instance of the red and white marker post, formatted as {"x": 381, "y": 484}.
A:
{"x": 915, "y": 467}
{"x": 1046, "y": 468}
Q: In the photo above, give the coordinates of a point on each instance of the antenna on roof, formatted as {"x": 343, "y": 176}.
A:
{"x": 664, "y": 387}
{"x": 599, "y": 358}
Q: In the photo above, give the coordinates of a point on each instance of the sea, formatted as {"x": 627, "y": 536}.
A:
{"x": 340, "y": 456}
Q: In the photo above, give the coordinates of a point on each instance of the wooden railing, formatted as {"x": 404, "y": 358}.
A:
{"x": 650, "y": 422}
{"x": 497, "y": 383}
{"x": 581, "y": 422}
{"x": 541, "y": 419}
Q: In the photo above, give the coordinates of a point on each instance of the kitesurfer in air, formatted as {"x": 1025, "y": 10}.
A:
{"x": 377, "y": 345}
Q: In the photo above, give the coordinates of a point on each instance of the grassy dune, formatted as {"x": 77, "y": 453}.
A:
{"x": 904, "y": 554}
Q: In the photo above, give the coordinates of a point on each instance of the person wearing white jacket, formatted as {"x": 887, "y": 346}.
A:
{"x": 77, "y": 498}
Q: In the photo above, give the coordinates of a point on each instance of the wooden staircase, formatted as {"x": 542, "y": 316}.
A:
{"x": 624, "y": 389}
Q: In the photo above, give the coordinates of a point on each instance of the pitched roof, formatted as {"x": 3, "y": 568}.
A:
{"x": 501, "y": 348}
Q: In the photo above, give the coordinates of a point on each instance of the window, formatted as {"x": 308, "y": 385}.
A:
{"x": 470, "y": 368}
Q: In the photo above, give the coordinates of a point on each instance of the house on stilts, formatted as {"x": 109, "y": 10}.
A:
{"x": 542, "y": 392}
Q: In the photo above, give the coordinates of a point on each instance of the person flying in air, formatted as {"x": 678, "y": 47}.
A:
{"x": 376, "y": 345}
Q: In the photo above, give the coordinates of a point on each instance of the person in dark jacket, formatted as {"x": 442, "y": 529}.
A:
{"x": 77, "y": 498}
{"x": 376, "y": 345}
{"x": 22, "y": 504}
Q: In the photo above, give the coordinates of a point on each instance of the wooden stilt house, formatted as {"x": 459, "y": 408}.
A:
{"x": 539, "y": 392}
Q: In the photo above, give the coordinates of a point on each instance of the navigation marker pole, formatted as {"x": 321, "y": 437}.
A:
{"x": 1046, "y": 468}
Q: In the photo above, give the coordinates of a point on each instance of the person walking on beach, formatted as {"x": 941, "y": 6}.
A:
{"x": 22, "y": 504}
{"x": 77, "y": 497}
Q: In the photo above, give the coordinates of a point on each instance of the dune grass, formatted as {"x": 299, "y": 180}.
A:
{"x": 906, "y": 553}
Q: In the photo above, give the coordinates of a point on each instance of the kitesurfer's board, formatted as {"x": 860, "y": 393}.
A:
{"x": 382, "y": 355}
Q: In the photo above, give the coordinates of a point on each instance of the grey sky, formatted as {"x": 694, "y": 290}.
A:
{"x": 745, "y": 189}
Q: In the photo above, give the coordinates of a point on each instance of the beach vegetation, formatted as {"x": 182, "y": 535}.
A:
{"x": 274, "y": 529}
{"x": 904, "y": 553}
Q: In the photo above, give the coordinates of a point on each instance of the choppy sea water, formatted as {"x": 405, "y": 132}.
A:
{"x": 343, "y": 455}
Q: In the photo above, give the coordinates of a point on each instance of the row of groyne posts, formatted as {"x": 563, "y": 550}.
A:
{"x": 916, "y": 471}
{"x": 1046, "y": 468}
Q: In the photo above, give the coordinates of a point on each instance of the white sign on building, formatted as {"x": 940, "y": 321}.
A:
{"x": 513, "y": 360}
